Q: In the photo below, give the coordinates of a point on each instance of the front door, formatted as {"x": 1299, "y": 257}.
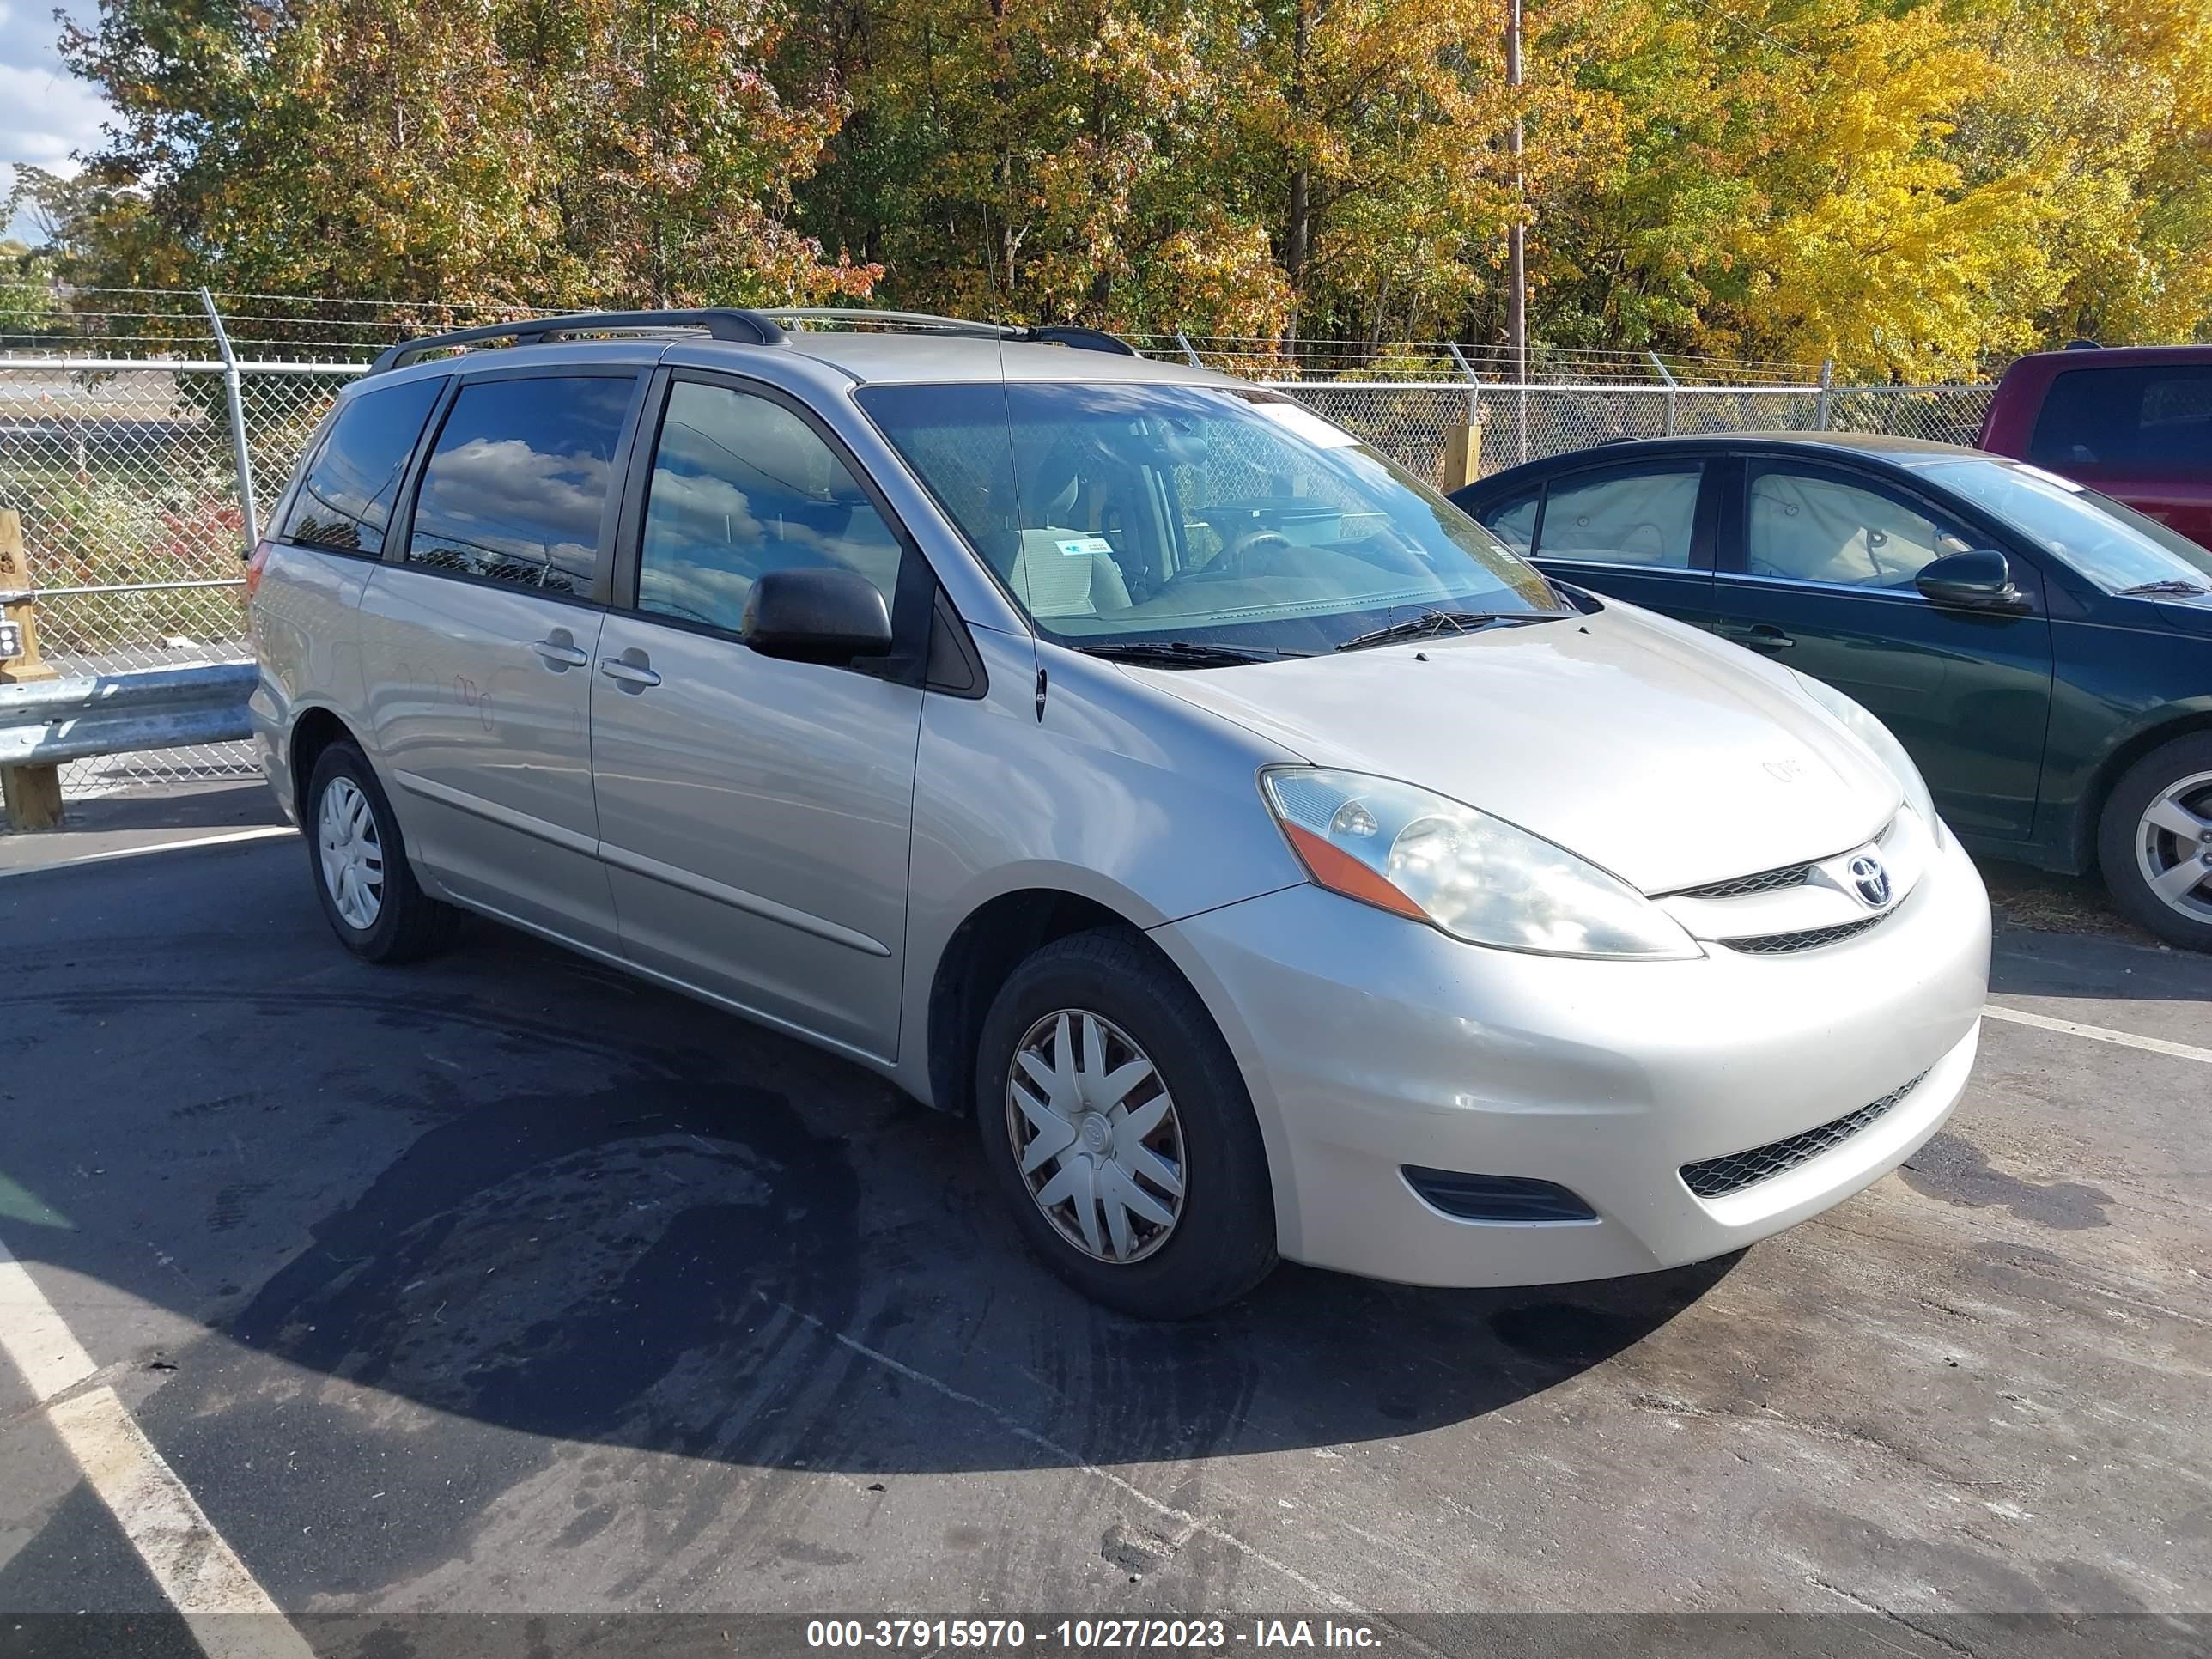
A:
{"x": 477, "y": 639}
{"x": 1819, "y": 576}
{"x": 754, "y": 813}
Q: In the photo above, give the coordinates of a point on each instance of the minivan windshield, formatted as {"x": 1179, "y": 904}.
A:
{"x": 2116, "y": 547}
{"x": 1171, "y": 516}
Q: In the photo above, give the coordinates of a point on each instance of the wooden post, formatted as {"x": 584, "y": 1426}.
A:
{"x": 34, "y": 793}
{"x": 1462, "y": 457}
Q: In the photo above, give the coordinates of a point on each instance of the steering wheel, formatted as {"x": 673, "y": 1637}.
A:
{"x": 1238, "y": 559}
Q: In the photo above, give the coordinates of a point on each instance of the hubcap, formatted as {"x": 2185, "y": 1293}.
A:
{"x": 352, "y": 856}
{"x": 1097, "y": 1137}
{"x": 2174, "y": 846}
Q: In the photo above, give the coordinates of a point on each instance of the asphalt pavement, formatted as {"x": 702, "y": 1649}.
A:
{"x": 505, "y": 1283}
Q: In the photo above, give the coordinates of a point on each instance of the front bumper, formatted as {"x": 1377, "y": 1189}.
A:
{"x": 1371, "y": 1043}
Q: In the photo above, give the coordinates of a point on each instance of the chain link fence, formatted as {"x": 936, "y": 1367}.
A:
{"x": 125, "y": 471}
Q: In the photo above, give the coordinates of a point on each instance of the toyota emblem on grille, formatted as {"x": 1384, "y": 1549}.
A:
{"x": 1871, "y": 879}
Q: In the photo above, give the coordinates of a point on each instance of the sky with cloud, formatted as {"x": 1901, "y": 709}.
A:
{"x": 45, "y": 112}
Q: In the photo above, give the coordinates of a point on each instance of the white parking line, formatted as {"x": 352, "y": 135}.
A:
{"x": 2100, "y": 1034}
{"x": 260, "y": 832}
{"x": 198, "y": 1572}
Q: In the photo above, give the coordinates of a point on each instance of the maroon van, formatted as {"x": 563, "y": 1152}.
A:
{"x": 2131, "y": 422}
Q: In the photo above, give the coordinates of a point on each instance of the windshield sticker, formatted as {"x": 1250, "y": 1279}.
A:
{"x": 1084, "y": 547}
{"x": 1307, "y": 424}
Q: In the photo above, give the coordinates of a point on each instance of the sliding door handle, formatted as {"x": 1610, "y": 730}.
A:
{"x": 631, "y": 671}
{"x": 559, "y": 650}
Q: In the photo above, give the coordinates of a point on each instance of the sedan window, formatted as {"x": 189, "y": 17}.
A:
{"x": 1514, "y": 522}
{"x": 1622, "y": 518}
{"x": 1805, "y": 527}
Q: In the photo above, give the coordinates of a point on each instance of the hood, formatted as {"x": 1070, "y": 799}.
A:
{"x": 1662, "y": 755}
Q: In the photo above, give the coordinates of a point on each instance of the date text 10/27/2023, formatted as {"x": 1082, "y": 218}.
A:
{"x": 1091, "y": 1634}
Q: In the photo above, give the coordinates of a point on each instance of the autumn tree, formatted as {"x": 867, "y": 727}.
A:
{"x": 1911, "y": 188}
{"x": 494, "y": 149}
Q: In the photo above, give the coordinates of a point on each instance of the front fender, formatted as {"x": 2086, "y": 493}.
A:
{"x": 1121, "y": 794}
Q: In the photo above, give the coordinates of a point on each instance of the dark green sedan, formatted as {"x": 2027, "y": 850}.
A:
{"x": 2044, "y": 652}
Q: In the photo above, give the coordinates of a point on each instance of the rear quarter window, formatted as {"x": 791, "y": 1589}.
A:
{"x": 345, "y": 499}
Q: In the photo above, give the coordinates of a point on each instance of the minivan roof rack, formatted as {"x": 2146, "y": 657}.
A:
{"x": 722, "y": 322}
{"x": 923, "y": 322}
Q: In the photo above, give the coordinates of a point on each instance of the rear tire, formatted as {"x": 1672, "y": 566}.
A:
{"x": 2155, "y": 831}
{"x": 1181, "y": 1214}
{"x": 358, "y": 861}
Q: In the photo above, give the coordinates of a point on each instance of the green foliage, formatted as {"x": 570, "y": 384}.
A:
{"x": 1910, "y": 187}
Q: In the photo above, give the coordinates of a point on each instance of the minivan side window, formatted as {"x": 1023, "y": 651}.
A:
{"x": 516, "y": 486}
{"x": 345, "y": 499}
{"x": 2153, "y": 422}
{"x": 1645, "y": 518}
{"x": 741, "y": 486}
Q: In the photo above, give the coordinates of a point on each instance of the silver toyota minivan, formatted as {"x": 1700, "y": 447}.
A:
{"x": 1270, "y": 861}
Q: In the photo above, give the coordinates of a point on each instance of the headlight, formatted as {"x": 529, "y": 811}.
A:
{"x": 1476, "y": 877}
{"x": 1887, "y": 750}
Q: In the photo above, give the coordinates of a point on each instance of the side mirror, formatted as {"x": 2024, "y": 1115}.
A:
{"x": 815, "y": 616}
{"x": 1979, "y": 580}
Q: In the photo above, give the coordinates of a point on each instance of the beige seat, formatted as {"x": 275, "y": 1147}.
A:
{"x": 1821, "y": 531}
{"x": 1067, "y": 573}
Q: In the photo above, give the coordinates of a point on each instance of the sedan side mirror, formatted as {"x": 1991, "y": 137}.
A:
{"x": 1979, "y": 580}
{"x": 823, "y": 616}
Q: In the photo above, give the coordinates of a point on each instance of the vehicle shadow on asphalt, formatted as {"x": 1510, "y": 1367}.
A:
{"x": 690, "y": 1257}
{"x": 573, "y": 1206}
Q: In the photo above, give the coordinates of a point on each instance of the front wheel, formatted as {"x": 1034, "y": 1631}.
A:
{"x": 1118, "y": 1127}
{"x": 2155, "y": 842}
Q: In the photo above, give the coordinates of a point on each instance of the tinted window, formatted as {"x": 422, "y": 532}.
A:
{"x": 742, "y": 486}
{"x": 1622, "y": 518}
{"x": 2154, "y": 422}
{"x": 1514, "y": 522}
{"x": 1134, "y": 513}
{"x": 345, "y": 498}
{"x": 1822, "y": 529}
{"x": 515, "y": 488}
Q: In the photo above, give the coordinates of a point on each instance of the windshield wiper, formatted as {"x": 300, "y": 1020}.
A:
{"x": 1178, "y": 653}
{"x": 2171, "y": 585}
{"x": 1430, "y": 623}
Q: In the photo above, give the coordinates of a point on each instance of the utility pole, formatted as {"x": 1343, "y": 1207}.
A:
{"x": 1516, "y": 247}
{"x": 1516, "y": 298}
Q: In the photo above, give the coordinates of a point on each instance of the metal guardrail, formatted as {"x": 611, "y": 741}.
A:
{"x": 46, "y": 722}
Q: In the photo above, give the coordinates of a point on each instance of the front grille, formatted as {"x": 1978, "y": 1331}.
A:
{"x": 1717, "y": 1177}
{"x": 1766, "y": 881}
{"x": 1768, "y": 944}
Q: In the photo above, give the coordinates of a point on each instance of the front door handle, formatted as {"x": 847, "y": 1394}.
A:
{"x": 1759, "y": 637}
{"x": 632, "y": 670}
{"x": 560, "y": 650}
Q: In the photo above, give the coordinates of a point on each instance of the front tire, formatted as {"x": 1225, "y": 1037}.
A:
{"x": 359, "y": 861}
{"x": 1118, "y": 1127}
{"x": 2155, "y": 842}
